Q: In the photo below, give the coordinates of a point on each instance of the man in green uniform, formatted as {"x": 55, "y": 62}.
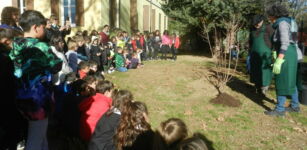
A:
{"x": 260, "y": 54}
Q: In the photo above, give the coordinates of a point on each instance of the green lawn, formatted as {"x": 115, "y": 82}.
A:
{"x": 180, "y": 89}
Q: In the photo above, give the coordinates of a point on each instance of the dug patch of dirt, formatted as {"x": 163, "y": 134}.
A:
{"x": 226, "y": 100}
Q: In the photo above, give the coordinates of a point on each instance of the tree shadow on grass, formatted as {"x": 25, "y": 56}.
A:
{"x": 248, "y": 90}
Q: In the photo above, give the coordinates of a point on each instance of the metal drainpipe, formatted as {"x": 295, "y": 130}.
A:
{"x": 150, "y": 8}
{"x": 21, "y": 6}
{"x": 117, "y": 13}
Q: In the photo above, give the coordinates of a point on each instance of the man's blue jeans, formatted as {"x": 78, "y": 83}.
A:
{"x": 282, "y": 99}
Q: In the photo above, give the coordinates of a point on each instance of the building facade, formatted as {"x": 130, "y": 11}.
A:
{"x": 129, "y": 15}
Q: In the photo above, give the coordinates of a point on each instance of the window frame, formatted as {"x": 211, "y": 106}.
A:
{"x": 21, "y": 6}
{"x": 69, "y": 6}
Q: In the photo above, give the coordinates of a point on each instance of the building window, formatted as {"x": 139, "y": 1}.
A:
{"x": 69, "y": 9}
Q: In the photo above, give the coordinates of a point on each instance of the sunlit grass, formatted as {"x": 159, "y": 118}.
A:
{"x": 180, "y": 89}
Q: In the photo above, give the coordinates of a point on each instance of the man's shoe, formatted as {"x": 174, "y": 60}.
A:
{"x": 275, "y": 113}
{"x": 264, "y": 89}
{"x": 290, "y": 109}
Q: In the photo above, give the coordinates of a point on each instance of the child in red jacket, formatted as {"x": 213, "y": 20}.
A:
{"x": 93, "y": 107}
{"x": 84, "y": 68}
{"x": 175, "y": 45}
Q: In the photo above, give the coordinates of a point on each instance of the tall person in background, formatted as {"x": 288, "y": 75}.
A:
{"x": 62, "y": 30}
{"x": 166, "y": 44}
{"x": 104, "y": 35}
{"x": 156, "y": 44}
{"x": 175, "y": 45}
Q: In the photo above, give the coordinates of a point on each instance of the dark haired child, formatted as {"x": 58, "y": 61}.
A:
{"x": 93, "y": 107}
{"x": 111, "y": 58}
{"x": 141, "y": 44}
{"x": 129, "y": 46}
{"x": 150, "y": 45}
{"x": 84, "y": 68}
{"x": 55, "y": 28}
{"x": 135, "y": 63}
{"x": 120, "y": 61}
{"x": 103, "y": 136}
{"x": 157, "y": 44}
{"x": 175, "y": 45}
{"x": 127, "y": 57}
{"x": 133, "y": 43}
{"x": 70, "y": 114}
{"x": 94, "y": 70}
{"x": 87, "y": 46}
{"x": 96, "y": 52}
{"x": 78, "y": 33}
{"x": 139, "y": 53}
{"x": 166, "y": 44}
{"x": 9, "y": 18}
{"x": 61, "y": 93}
{"x": 104, "y": 34}
{"x": 106, "y": 58}
{"x": 138, "y": 42}
{"x": 93, "y": 66}
{"x": 63, "y": 89}
{"x": 12, "y": 123}
{"x": 85, "y": 33}
{"x": 94, "y": 34}
{"x": 114, "y": 43}
{"x": 120, "y": 41}
{"x": 34, "y": 65}
{"x": 48, "y": 32}
{"x": 173, "y": 131}
{"x": 134, "y": 131}
{"x": 79, "y": 90}
{"x": 126, "y": 36}
{"x": 57, "y": 47}
{"x": 196, "y": 142}
{"x": 81, "y": 47}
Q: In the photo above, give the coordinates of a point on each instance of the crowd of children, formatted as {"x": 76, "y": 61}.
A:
{"x": 61, "y": 86}
{"x": 121, "y": 51}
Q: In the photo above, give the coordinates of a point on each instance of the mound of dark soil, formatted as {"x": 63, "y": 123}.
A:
{"x": 226, "y": 100}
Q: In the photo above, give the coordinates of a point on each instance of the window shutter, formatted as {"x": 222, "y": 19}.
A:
{"x": 80, "y": 12}
{"x": 29, "y": 4}
{"x": 55, "y": 7}
{"x": 146, "y": 17}
{"x": 133, "y": 15}
{"x": 113, "y": 9}
{"x": 15, "y": 3}
{"x": 153, "y": 20}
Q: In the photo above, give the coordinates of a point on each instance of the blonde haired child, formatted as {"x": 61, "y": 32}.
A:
{"x": 72, "y": 55}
